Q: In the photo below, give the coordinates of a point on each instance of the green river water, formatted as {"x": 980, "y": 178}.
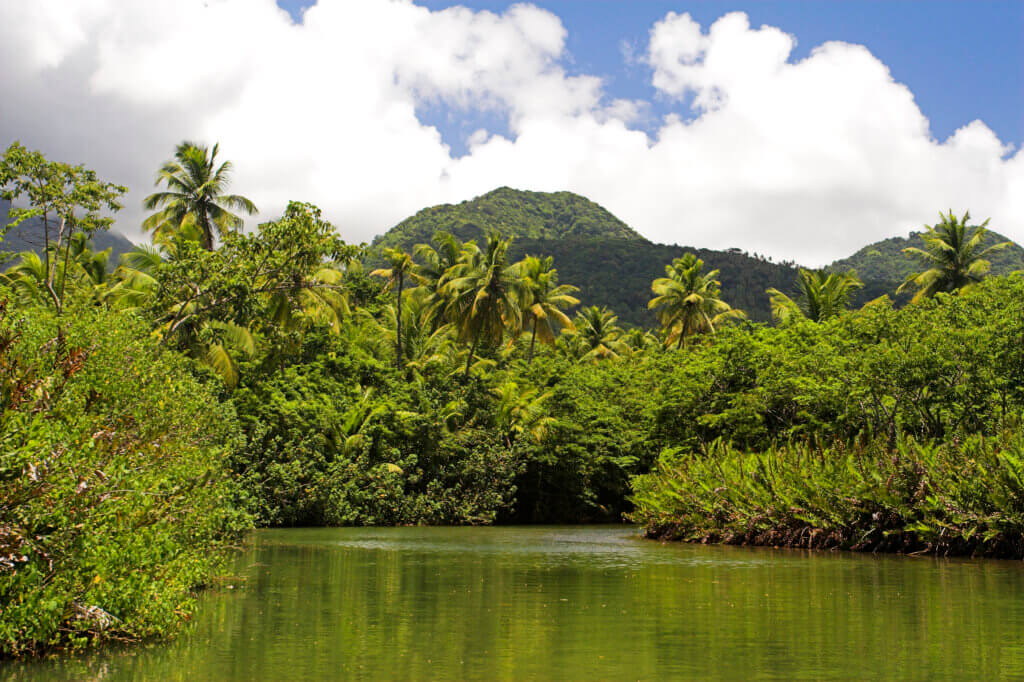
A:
{"x": 577, "y": 603}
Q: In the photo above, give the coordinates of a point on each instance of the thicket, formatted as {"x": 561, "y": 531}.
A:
{"x": 114, "y": 499}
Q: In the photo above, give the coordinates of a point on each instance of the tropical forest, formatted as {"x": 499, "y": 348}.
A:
{"x": 464, "y": 370}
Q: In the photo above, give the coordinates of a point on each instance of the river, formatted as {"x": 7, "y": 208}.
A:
{"x": 576, "y": 603}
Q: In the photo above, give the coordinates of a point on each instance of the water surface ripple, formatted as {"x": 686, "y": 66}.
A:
{"x": 577, "y": 603}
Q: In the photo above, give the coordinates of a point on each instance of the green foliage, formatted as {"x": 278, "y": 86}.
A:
{"x": 341, "y": 438}
{"x": 115, "y": 500}
{"x": 934, "y": 370}
{"x": 599, "y": 437}
{"x": 919, "y": 383}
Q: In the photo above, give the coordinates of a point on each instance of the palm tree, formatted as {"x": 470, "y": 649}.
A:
{"x": 27, "y": 278}
{"x": 953, "y": 257}
{"x": 640, "y": 339}
{"x": 597, "y": 335}
{"x": 544, "y": 299}
{"x": 823, "y": 295}
{"x": 81, "y": 268}
{"x": 423, "y": 344}
{"x": 434, "y": 268}
{"x": 687, "y": 300}
{"x": 320, "y": 297}
{"x": 521, "y": 410}
{"x": 402, "y": 266}
{"x": 195, "y": 196}
{"x": 483, "y": 295}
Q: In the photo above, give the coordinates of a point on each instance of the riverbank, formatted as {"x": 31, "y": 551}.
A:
{"x": 953, "y": 499}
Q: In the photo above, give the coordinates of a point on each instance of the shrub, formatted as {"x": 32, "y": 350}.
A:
{"x": 114, "y": 500}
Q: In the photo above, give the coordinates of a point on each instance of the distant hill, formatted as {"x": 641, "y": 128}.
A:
{"x": 885, "y": 260}
{"x": 618, "y": 273}
{"x": 28, "y": 236}
{"x": 515, "y": 213}
{"x": 611, "y": 263}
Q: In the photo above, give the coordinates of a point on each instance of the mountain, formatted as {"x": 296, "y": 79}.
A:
{"x": 885, "y": 260}
{"x": 537, "y": 215}
{"x": 611, "y": 263}
{"x": 28, "y": 236}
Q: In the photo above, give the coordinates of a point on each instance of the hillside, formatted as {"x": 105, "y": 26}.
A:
{"x": 517, "y": 213}
{"x": 611, "y": 263}
{"x": 618, "y": 273}
{"x": 886, "y": 261}
{"x": 28, "y": 236}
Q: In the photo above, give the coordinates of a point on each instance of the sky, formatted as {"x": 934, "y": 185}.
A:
{"x": 800, "y": 130}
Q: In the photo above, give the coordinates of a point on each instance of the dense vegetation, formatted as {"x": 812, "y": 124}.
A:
{"x": 218, "y": 378}
{"x": 885, "y": 429}
{"x": 115, "y": 497}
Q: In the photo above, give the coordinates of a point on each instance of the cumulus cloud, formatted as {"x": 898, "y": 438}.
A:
{"x": 806, "y": 160}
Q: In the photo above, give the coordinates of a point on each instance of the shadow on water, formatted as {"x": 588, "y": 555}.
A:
{"x": 577, "y": 603}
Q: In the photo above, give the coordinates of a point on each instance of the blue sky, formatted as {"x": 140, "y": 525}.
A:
{"x": 717, "y": 133}
{"x": 962, "y": 60}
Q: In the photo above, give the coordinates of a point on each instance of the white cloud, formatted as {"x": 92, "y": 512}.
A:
{"x": 806, "y": 160}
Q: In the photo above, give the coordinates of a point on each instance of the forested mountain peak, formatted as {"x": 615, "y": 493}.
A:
{"x": 884, "y": 260}
{"x": 515, "y": 213}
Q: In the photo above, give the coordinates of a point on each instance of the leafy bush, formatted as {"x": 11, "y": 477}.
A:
{"x": 115, "y": 499}
{"x": 341, "y": 438}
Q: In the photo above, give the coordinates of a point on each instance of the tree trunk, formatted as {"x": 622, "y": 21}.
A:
{"x": 398, "y": 324}
{"x": 64, "y": 276}
{"x": 533, "y": 339}
{"x": 51, "y": 267}
{"x": 472, "y": 352}
{"x": 204, "y": 223}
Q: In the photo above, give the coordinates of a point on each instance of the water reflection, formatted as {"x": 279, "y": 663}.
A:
{"x": 579, "y": 604}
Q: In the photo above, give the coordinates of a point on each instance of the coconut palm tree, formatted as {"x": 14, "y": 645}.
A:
{"x": 640, "y": 340}
{"x": 483, "y": 295}
{"x": 27, "y": 278}
{"x": 597, "y": 335}
{"x": 318, "y": 298}
{"x": 688, "y": 300}
{"x": 434, "y": 268}
{"x": 544, "y": 299}
{"x": 823, "y": 295}
{"x": 520, "y": 410}
{"x": 423, "y": 344}
{"x": 195, "y": 196}
{"x": 402, "y": 267}
{"x": 954, "y": 257}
